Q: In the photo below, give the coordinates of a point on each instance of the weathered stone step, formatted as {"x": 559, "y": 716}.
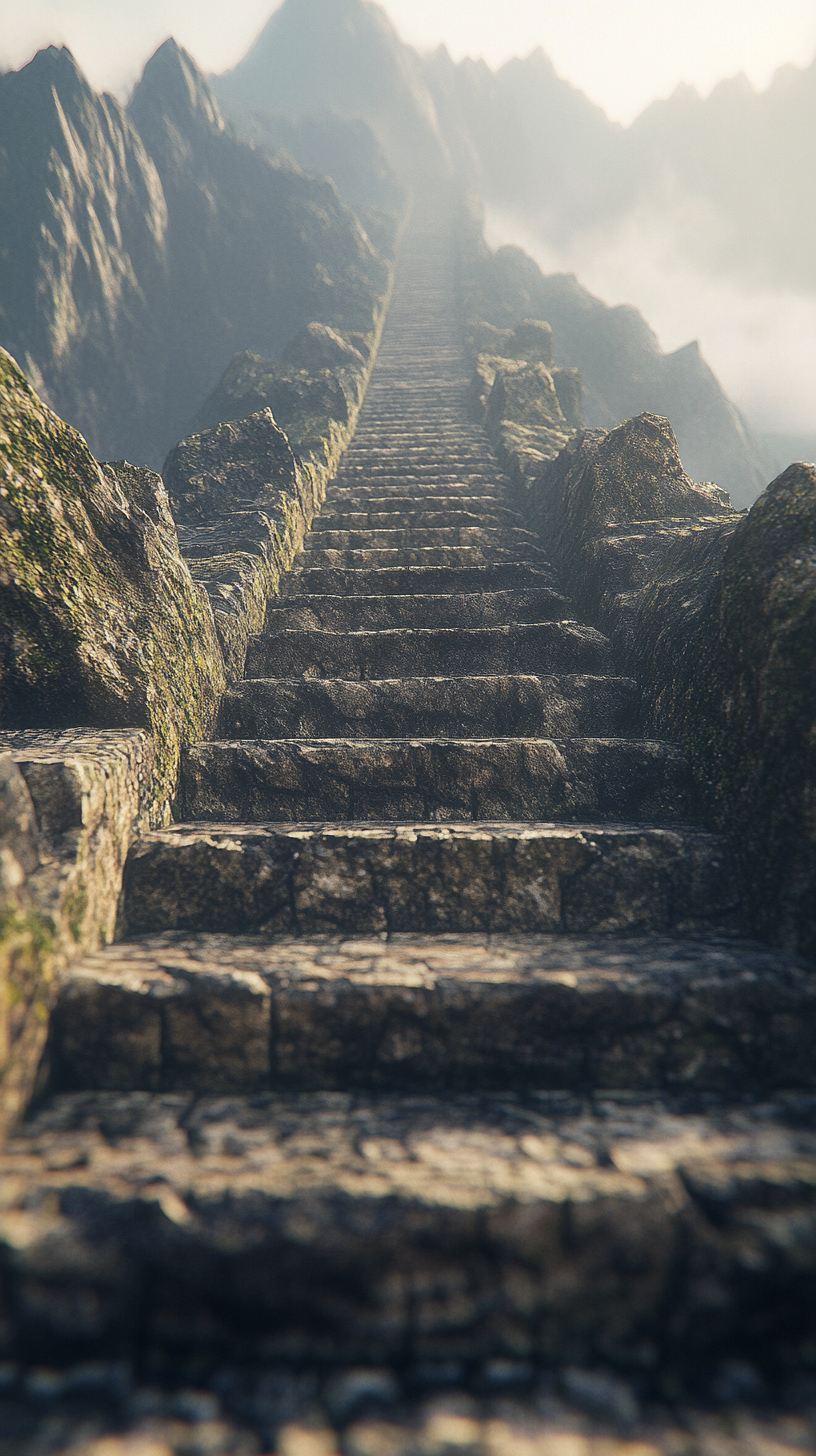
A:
{"x": 417, "y": 519}
{"x": 216, "y": 1013}
{"x": 461, "y": 557}
{"x": 378, "y": 510}
{"x": 569, "y": 706}
{"x": 397, "y": 580}
{"x": 442, "y": 780}
{"x": 656, "y": 1234}
{"x": 418, "y": 538}
{"x": 363, "y": 878}
{"x": 541, "y": 647}
{"x": 462, "y": 609}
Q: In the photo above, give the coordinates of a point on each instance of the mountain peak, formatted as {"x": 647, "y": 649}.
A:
{"x": 172, "y": 86}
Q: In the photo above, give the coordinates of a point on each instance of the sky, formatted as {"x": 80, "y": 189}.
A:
{"x": 622, "y": 53}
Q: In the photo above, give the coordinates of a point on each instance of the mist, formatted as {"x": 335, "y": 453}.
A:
{"x": 760, "y": 339}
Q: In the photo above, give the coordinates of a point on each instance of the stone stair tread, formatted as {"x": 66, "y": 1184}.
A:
{"x": 353, "y": 613}
{"x": 357, "y": 1227}
{"x": 566, "y": 646}
{"x": 361, "y": 877}
{"x": 220, "y": 1013}
{"x": 569, "y": 705}
{"x": 371, "y": 558}
{"x": 394, "y": 580}
{"x": 438, "y": 780}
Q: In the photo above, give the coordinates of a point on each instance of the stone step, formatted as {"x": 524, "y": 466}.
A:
{"x": 569, "y": 706}
{"x": 659, "y": 1234}
{"x": 575, "y": 779}
{"x": 461, "y": 557}
{"x": 423, "y": 580}
{"x": 541, "y": 647}
{"x": 416, "y": 518}
{"x": 224, "y": 1014}
{"x": 462, "y": 609}
{"x": 361, "y": 878}
{"x": 379, "y": 510}
{"x": 417, "y": 538}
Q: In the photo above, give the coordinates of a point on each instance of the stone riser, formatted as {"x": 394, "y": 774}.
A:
{"x": 543, "y": 647}
{"x": 346, "y": 1228}
{"x": 379, "y": 613}
{"x": 359, "y": 879}
{"x": 422, "y": 580}
{"x": 595, "y": 780}
{"x": 383, "y": 557}
{"x": 413, "y": 520}
{"x": 442, "y": 707}
{"x": 422, "y": 538}
{"x": 221, "y": 1014}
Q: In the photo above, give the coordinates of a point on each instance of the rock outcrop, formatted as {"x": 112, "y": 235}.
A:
{"x": 102, "y": 624}
{"x": 713, "y": 611}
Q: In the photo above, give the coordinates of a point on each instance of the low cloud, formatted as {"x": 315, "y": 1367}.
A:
{"x": 759, "y": 337}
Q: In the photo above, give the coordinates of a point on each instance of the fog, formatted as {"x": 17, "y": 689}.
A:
{"x": 759, "y": 340}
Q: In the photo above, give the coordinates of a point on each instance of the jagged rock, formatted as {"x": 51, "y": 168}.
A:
{"x": 319, "y": 347}
{"x": 714, "y": 612}
{"x": 142, "y": 249}
{"x": 247, "y": 462}
{"x": 522, "y": 412}
{"x": 726, "y": 640}
{"x": 308, "y": 405}
{"x": 101, "y": 621}
{"x": 623, "y": 369}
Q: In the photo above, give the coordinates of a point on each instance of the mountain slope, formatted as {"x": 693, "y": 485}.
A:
{"x": 142, "y": 250}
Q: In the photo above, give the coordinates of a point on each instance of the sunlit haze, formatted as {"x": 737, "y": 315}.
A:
{"x": 623, "y": 53}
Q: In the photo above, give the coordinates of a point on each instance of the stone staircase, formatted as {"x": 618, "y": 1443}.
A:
{"x": 430, "y": 1039}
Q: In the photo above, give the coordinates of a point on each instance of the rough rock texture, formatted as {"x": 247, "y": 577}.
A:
{"x": 70, "y": 805}
{"x": 728, "y": 644}
{"x": 530, "y": 409}
{"x": 144, "y": 249}
{"x": 646, "y": 1233}
{"x": 26, "y": 942}
{"x": 101, "y": 621}
{"x": 438, "y": 779}
{"x": 505, "y": 1407}
{"x": 715, "y": 613}
{"x": 622, "y": 368}
{"x": 244, "y": 504}
{"x": 349, "y": 878}
{"x": 418, "y": 1013}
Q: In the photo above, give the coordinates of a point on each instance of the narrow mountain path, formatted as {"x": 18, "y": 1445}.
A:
{"x": 432, "y": 892}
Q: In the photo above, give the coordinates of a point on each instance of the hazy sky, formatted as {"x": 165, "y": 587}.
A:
{"x": 623, "y": 53}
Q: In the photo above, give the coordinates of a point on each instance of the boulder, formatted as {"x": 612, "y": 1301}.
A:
{"x": 319, "y": 347}
{"x": 714, "y": 611}
{"x": 238, "y": 465}
{"x": 101, "y": 623}
{"x": 308, "y": 405}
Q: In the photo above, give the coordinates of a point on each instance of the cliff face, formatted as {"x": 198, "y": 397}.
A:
{"x": 144, "y": 249}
